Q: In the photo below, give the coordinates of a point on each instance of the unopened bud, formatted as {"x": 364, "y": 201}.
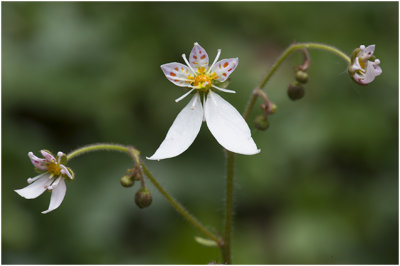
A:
{"x": 127, "y": 181}
{"x": 261, "y": 122}
{"x": 295, "y": 91}
{"x": 302, "y": 76}
{"x": 273, "y": 108}
{"x": 143, "y": 198}
{"x": 134, "y": 173}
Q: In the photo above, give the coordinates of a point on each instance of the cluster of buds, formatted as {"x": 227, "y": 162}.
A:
{"x": 143, "y": 196}
{"x": 131, "y": 176}
{"x": 296, "y": 89}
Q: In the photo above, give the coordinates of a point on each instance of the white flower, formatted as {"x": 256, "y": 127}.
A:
{"x": 364, "y": 66}
{"x": 224, "y": 121}
{"x": 54, "y": 172}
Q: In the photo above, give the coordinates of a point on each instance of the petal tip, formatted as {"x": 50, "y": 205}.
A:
{"x": 154, "y": 158}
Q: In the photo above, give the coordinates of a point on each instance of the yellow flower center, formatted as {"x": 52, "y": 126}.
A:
{"x": 54, "y": 169}
{"x": 361, "y": 62}
{"x": 203, "y": 80}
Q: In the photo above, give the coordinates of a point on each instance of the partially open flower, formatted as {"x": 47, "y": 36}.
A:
{"x": 364, "y": 67}
{"x": 224, "y": 121}
{"x": 53, "y": 174}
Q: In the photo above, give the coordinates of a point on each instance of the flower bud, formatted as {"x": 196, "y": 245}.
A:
{"x": 134, "y": 173}
{"x": 302, "y": 76}
{"x": 143, "y": 198}
{"x": 127, "y": 181}
{"x": 273, "y": 108}
{"x": 261, "y": 122}
{"x": 295, "y": 91}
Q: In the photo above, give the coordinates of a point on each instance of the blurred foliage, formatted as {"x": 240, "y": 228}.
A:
{"x": 323, "y": 190}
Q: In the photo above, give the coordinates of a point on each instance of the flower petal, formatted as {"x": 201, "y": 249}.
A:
{"x": 228, "y": 126}
{"x": 224, "y": 68}
{"x": 198, "y": 57}
{"x": 37, "y": 162}
{"x": 57, "y": 195}
{"x": 65, "y": 171}
{"x": 367, "y": 52}
{"x": 178, "y": 73}
{"x": 37, "y": 188}
{"x": 377, "y": 68}
{"x": 182, "y": 132}
{"x": 369, "y": 76}
{"x": 49, "y": 157}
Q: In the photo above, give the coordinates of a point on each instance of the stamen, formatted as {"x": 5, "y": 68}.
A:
{"x": 48, "y": 184}
{"x": 221, "y": 89}
{"x": 55, "y": 183}
{"x": 181, "y": 79}
{"x": 215, "y": 61}
{"x": 64, "y": 171}
{"x": 31, "y": 180}
{"x": 187, "y": 63}
{"x": 184, "y": 95}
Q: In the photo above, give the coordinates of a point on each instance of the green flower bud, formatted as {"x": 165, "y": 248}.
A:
{"x": 302, "y": 76}
{"x": 261, "y": 122}
{"x": 143, "y": 198}
{"x": 127, "y": 181}
{"x": 295, "y": 91}
{"x": 273, "y": 108}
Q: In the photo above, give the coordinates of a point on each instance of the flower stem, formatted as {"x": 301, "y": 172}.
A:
{"x": 97, "y": 147}
{"x": 292, "y": 48}
{"x": 226, "y": 250}
{"x": 179, "y": 208}
{"x": 134, "y": 154}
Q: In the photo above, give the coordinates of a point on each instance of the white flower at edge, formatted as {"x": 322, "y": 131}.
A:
{"x": 224, "y": 121}
{"x": 52, "y": 178}
{"x": 363, "y": 69}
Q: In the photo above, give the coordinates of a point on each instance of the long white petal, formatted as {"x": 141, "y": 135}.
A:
{"x": 35, "y": 189}
{"x": 228, "y": 126}
{"x": 57, "y": 195}
{"x": 182, "y": 132}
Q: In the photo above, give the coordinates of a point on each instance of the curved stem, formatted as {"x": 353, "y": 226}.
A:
{"x": 292, "y": 48}
{"x": 226, "y": 250}
{"x": 97, "y": 147}
{"x": 134, "y": 154}
{"x": 179, "y": 208}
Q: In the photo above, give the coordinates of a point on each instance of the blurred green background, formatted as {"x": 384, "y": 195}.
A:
{"x": 323, "y": 190}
